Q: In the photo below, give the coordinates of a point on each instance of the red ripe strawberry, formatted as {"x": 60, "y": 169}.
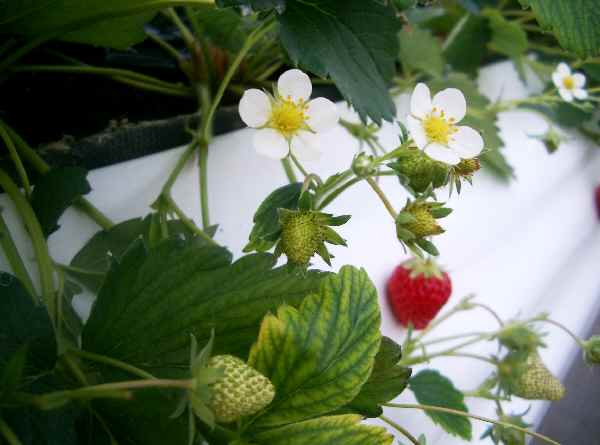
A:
{"x": 416, "y": 291}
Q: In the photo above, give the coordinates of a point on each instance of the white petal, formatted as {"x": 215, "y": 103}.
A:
{"x": 270, "y": 143}
{"x": 466, "y": 142}
{"x": 294, "y": 84}
{"x": 579, "y": 80}
{"x": 255, "y": 108}
{"x": 580, "y": 93}
{"x": 442, "y": 153}
{"x": 322, "y": 114}
{"x": 557, "y": 79}
{"x": 452, "y": 102}
{"x": 566, "y": 94}
{"x": 420, "y": 101}
{"x": 563, "y": 69}
{"x": 415, "y": 126}
{"x": 306, "y": 146}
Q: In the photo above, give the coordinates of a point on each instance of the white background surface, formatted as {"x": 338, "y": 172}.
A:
{"x": 530, "y": 246}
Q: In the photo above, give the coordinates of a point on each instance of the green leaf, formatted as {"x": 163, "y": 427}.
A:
{"x": 24, "y": 323}
{"x": 224, "y": 27}
{"x": 575, "y": 23}
{"x": 333, "y": 337}
{"x": 495, "y": 162}
{"x": 266, "y": 229}
{"x": 155, "y": 299}
{"x": 432, "y": 388}
{"x": 508, "y": 38}
{"x": 385, "y": 383}
{"x": 114, "y": 23}
{"x": 90, "y": 264}
{"x": 332, "y": 430}
{"x": 353, "y": 41}
{"x": 420, "y": 50}
{"x": 467, "y": 48}
{"x": 55, "y": 192}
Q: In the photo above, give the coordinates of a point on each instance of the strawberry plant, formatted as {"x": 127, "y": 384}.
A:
{"x": 185, "y": 344}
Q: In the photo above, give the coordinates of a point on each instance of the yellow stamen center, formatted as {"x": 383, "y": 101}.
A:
{"x": 438, "y": 128}
{"x": 569, "y": 82}
{"x": 287, "y": 117}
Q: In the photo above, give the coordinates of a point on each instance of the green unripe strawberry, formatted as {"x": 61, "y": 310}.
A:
{"x": 419, "y": 171}
{"x": 424, "y": 223}
{"x": 591, "y": 350}
{"x": 305, "y": 232}
{"x": 242, "y": 391}
{"x": 535, "y": 382}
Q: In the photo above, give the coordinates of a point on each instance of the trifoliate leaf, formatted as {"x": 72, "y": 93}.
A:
{"x": 421, "y": 51}
{"x": 332, "y": 337}
{"x": 353, "y": 41}
{"x": 432, "y": 388}
{"x": 156, "y": 298}
{"x": 575, "y": 23}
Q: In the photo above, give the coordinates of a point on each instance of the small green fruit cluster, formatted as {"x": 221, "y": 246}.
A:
{"x": 418, "y": 172}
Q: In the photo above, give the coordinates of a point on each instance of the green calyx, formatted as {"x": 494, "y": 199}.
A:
{"x": 418, "y": 220}
{"x": 467, "y": 167}
{"x": 526, "y": 376}
{"x": 305, "y": 232}
{"x": 425, "y": 267}
{"x": 551, "y": 139}
{"x": 364, "y": 165}
{"x": 519, "y": 336}
{"x": 591, "y": 350}
{"x": 419, "y": 172}
{"x": 242, "y": 391}
{"x": 503, "y": 435}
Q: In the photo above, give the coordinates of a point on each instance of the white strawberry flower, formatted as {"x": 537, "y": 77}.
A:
{"x": 570, "y": 85}
{"x": 288, "y": 122}
{"x": 432, "y": 125}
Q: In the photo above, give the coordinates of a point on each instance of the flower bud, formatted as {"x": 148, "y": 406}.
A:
{"x": 364, "y": 165}
{"x": 591, "y": 350}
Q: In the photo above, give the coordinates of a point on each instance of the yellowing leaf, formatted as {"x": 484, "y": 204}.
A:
{"x": 319, "y": 356}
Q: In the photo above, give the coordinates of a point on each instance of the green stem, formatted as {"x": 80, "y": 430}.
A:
{"x": 400, "y": 429}
{"x": 382, "y": 197}
{"x": 299, "y": 165}
{"x": 427, "y": 357}
{"x": 289, "y": 171}
{"x": 435, "y": 323}
{"x": 14, "y": 259}
{"x": 472, "y": 416}
{"x": 453, "y": 337}
{"x": 186, "y": 34}
{"x": 16, "y": 160}
{"x": 42, "y": 167}
{"x": 578, "y": 340}
{"x": 189, "y": 223}
{"x": 337, "y": 192}
{"x": 156, "y": 88}
{"x": 473, "y": 356}
{"x": 491, "y": 311}
{"x": 173, "y": 52}
{"x": 8, "y": 434}
{"x": 185, "y": 156}
{"x": 204, "y": 97}
{"x": 90, "y": 356}
{"x": 40, "y": 247}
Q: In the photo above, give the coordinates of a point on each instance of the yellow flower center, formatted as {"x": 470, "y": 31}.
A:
{"x": 438, "y": 128}
{"x": 287, "y": 117}
{"x": 569, "y": 83}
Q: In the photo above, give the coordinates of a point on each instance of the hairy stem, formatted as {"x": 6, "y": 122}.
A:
{"x": 382, "y": 197}
{"x": 14, "y": 258}
{"x": 289, "y": 171}
{"x": 90, "y": 356}
{"x": 578, "y": 340}
{"x": 400, "y": 429}
{"x": 472, "y": 416}
{"x": 45, "y": 266}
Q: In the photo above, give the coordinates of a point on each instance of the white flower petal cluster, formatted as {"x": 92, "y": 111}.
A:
{"x": 288, "y": 122}
{"x": 432, "y": 124}
{"x": 570, "y": 85}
